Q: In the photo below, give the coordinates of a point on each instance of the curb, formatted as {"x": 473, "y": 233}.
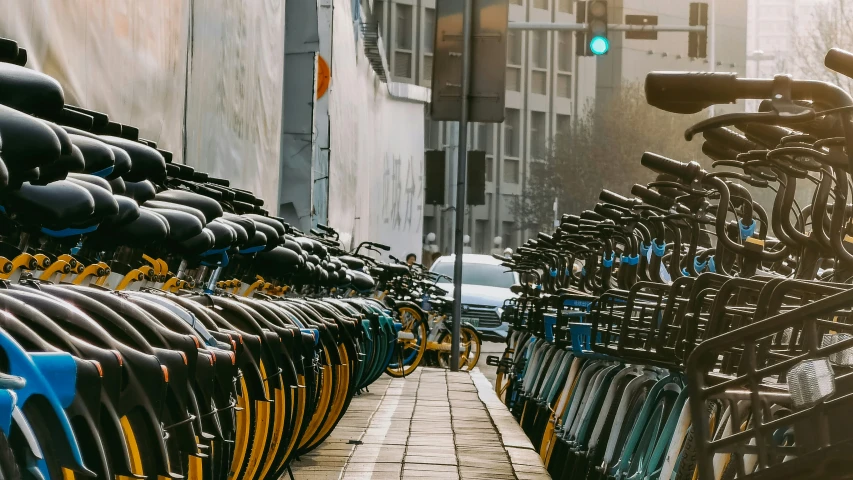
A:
{"x": 525, "y": 460}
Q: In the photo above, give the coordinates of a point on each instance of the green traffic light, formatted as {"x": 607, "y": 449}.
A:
{"x": 599, "y": 45}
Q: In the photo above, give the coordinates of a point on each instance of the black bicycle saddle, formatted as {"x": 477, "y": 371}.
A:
{"x": 30, "y": 91}
{"x": 97, "y": 154}
{"x": 27, "y": 142}
{"x": 99, "y": 189}
{"x": 182, "y": 225}
{"x": 209, "y": 207}
{"x": 139, "y": 191}
{"x": 277, "y": 261}
{"x": 147, "y": 229}
{"x": 159, "y": 205}
{"x": 56, "y": 205}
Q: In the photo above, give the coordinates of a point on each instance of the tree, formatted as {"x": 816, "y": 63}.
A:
{"x": 603, "y": 150}
{"x": 829, "y": 25}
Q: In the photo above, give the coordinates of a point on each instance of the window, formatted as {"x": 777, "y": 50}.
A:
{"x": 539, "y": 48}
{"x": 538, "y": 135}
{"x": 565, "y": 6}
{"x": 564, "y": 51}
{"x": 481, "y": 235}
{"x": 543, "y": 4}
{"x": 513, "y": 45}
{"x": 378, "y": 13}
{"x": 513, "y": 79}
{"x": 403, "y": 32}
{"x": 432, "y": 130}
{"x": 484, "y": 138}
{"x": 564, "y": 124}
{"x": 564, "y": 85}
{"x": 490, "y": 168}
{"x": 429, "y": 30}
{"x": 512, "y": 122}
{"x": 538, "y": 82}
{"x": 508, "y": 234}
{"x": 512, "y": 171}
{"x": 484, "y": 274}
{"x": 428, "y": 42}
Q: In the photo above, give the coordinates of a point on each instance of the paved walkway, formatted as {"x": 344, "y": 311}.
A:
{"x": 432, "y": 424}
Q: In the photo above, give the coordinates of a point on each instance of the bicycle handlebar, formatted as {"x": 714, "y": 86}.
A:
{"x": 687, "y": 172}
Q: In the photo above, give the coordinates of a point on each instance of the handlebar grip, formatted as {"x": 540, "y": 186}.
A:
{"x": 840, "y": 61}
{"x": 652, "y": 197}
{"x": 570, "y": 219}
{"x": 715, "y": 151}
{"x": 730, "y": 139}
{"x": 607, "y": 196}
{"x": 690, "y": 92}
{"x": 590, "y": 215}
{"x": 604, "y": 211}
{"x": 660, "y": 164}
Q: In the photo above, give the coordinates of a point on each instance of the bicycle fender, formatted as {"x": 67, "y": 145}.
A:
{"x": 61, "y": 369}
{"x": 414, "y": 306}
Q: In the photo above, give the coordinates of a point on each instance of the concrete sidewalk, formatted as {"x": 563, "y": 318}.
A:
{"x": 432, "y": 424}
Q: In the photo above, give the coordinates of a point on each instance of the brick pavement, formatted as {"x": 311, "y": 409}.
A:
{"x": 432, "y": 424}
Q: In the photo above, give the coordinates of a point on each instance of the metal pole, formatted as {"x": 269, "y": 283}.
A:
{"x": 615, "y": 27}
{"x": 462, "y": 170}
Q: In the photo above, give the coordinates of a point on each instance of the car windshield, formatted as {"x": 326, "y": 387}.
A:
{"x": 483, "y": 274}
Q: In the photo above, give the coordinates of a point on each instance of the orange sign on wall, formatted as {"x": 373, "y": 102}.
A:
{"x": 324, "y": 76}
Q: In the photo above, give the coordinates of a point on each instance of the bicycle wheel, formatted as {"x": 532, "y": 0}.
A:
{"x": 408, "y": 352}
{"x": 469, "y": 349}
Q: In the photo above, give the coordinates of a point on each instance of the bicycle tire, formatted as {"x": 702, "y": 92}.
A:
{"x": 402, "y": 369}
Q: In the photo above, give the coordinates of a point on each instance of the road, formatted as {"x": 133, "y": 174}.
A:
{"x": 490, "y": 348}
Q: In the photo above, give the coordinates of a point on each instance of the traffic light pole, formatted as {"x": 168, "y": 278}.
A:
{"x": 581, "y": 27}
{"x": 461, "y": 173}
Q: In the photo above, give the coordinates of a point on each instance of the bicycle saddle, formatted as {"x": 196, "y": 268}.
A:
{"x": 181, "y": 225}
{"x": 278, "y": 261}
{"x": 30, "y": 91}
{"x": 270, "y": 235}
{"x": 27, "y": 142}
{"x": 139, "y": 191}
{"x": 98, "y": 155}
{"x": 159, "y": 205}
{"x": 209, "y": 207}
{"x": 223, "y": 235}
{"x": 59, "y": 170}
{"x": 241, "y": 235}
{"x": 105, "y": 204}
{"x": 146, "y": 229}
{"x": 58, "y": 204}
{"x": 361, "y": 280}
{"x": 198, "y": 244}
{"x": 248, "y": 224}
{"x": 121, "y": 165}
{"x": 128, "y": 211}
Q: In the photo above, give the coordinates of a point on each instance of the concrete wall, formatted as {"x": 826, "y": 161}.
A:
{"x": 376, "y": 148}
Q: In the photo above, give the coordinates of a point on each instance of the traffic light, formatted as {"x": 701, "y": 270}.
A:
{"x": 596, "y": 14}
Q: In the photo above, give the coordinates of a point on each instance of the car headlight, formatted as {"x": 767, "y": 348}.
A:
{"x": 500, "y": 311}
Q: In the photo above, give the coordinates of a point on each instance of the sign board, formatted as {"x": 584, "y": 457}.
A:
{"x": 488, "y": 61}
{"x": 645, "y": 20}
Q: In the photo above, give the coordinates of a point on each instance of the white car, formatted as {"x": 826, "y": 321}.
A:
{"x": 485, "y": 286}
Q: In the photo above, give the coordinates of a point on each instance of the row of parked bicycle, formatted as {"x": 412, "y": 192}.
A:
{"x": 686, "y": 331}
{"x": 157, "y": 322}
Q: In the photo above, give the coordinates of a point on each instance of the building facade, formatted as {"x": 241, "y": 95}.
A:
{"x": 543, "y": 93}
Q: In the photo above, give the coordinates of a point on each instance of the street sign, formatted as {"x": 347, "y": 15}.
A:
{"x": 488, "y": 61}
